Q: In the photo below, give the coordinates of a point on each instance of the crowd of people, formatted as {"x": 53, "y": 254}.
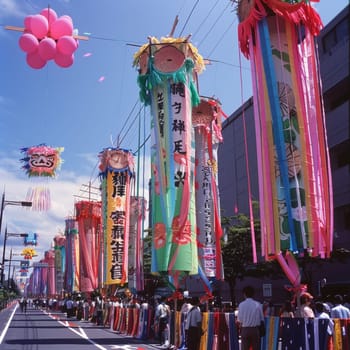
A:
{"x": 249, "y": 314}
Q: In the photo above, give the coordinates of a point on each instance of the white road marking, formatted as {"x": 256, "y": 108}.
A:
{"x": 3, "y": 333}
{"x": 81, "y": 332}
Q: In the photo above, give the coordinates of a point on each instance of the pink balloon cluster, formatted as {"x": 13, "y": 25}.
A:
{"x": 47, "y": 37}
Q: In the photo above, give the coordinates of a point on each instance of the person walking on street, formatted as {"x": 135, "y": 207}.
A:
{"x": 162, "y": 319}
{"x": 25, "y": 304}
{"x": 185, "y": 308}
{"x": 250, "y": 316}
{"x": 193, "y": 326}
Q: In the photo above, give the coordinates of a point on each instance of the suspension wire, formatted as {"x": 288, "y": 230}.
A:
{"x": 228, "y": 64}
{"x": 129, "y": 128}
{"x": 125, "y": 123}
{"x": 188, "y": 18}
{"x": 205, "y": 18}
{"x": 221, "y": 38}
{"x": 215, "y": 23}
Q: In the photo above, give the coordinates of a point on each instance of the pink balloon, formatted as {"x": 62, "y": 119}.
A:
{"x": 27, "y": 22}
{"x": 69, "y": 18}
{"x": 66, "y": 44}
{"x": 61, "y": 27}
{"x": 39, "y": 26}
{"x": 28, "y": 43}
{"x": 34, "y": 60}
{"x": 64, "y": 61}
{"x": 47, "y": 49}
{"x": 49, "y": 14}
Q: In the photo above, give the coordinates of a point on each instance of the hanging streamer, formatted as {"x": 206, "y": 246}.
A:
{"x": 135, "y": 263}
{"x": 206, "y": 118}
{"x": 88, "y": 216}
{"x": 295, "y": 191}
{"x": 72, "y": 256}
{"x": 40, "y": 162}
{"x": 60, "y": 258}
{"x": 168, "y": 69}
{"x": 117, "y": 174}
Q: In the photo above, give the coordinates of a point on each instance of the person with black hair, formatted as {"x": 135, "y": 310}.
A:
{"x": 320, "y": 312}
{"x": 339, "y": 310}
{"x": 193, "y": 326}
{"x": 162, "y": 316}
{"x": 250, "y": 316}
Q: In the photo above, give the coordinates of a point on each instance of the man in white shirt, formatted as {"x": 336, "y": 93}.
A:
{"x": 339, "y": 310}
{"x": 250, "y": 316}
{"x": 162, "y": 319}
{"x": 193, "y": 325}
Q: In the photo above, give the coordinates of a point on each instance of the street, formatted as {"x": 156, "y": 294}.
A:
{"x": 41, "y": 330}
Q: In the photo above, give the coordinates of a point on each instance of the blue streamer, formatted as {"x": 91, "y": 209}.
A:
{"x": 277, "y": 122}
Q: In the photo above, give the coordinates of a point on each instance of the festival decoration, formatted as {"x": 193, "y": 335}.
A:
{"x": 28, "y": 253}
{"x": 206, "y": 119}
{"x": 295, "y": 191}
{"x": 41, "y": 161}
{"x": 60, "y": 258}
{"x": 31, "y": 239}
{"x": 167, "y": 79}
{"x": 48, "y": 37}
{"x": 135, "y": 254}
{"x": 24, "y": 266}
{"x": 117, "y": 176}
{"x": 88, "y": 216}
{"x": 72, "y": 270}
{"x": 49, "y": 273}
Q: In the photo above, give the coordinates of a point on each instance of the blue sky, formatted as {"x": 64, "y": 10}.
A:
{"x": 86, "y": 107}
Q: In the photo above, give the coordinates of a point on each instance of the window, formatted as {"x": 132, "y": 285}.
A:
{"x": 342, "y": 30}
{"x": 336, "y": 35}
{"x": 340, "y": 155}
{"x": 267, "y": 290}
{"x": 329, "y": 41}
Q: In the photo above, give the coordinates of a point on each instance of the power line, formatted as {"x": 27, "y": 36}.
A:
{"x": 189, "y": 16}
{"x": 221, "y": 38}
{"x": 217, "y": 20}
{"x": 205, "y": 18}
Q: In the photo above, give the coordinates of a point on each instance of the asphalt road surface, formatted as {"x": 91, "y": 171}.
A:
{"x": 44, "y": 330}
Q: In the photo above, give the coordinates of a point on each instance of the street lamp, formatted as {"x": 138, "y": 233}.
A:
{"x": 5, "y": 202}
{"x": 7, "y": 234}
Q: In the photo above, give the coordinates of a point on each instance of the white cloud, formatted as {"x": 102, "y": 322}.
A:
{"x": 10, "y": 8}
{"x": 47, "y": 224}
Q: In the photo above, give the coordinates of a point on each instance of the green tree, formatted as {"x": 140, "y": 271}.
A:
{"x": 237, "y": 252}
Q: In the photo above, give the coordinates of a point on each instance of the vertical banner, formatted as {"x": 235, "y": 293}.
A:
{"x": 88, "y": 216}
{"x": 50, "y": 271}
{"x": 167, "y": 80}
{"x": 206, "y": 118}
{"x": 72, "y": 256}
{"x": 295, "y": 190}
{"x": 135, "y": 269}
{"x": 60, "y": 258}
{"x": 117, "y": 175}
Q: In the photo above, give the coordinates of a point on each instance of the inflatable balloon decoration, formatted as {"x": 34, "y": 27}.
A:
{"x": 41, "y": 161}
{"x": 295, "y": 185}
{"x": 48, "y": 37}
